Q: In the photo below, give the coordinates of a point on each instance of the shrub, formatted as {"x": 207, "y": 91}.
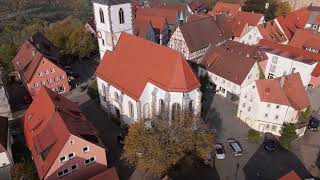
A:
{"x": 288, "y": 134}
{"x": 234, "y": 97}
{"x": 93, "y": 90}
{"x": 254, "y": 136}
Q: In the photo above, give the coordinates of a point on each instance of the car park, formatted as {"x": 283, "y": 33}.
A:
{"x": 220, "y": 152}
{"x": 235, "y": 146}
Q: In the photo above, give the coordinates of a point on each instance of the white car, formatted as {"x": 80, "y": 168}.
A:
{"x": 220, "y": 153}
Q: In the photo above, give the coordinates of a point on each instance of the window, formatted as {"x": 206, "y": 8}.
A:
{"x": 265, "y": 115}
{"x": 249, "y": 109}
{"x": 274, "y": 128}
{"x": 52, "y": 70}
{"x": 243, "y": 105}
{"x": 60, "y": 174}
{"x": 277, "y": 117}
{"x": 222, "y": 89}
{"x": 72, "y": 142}
{"x": 71, "y": 155}
{"x": 90, "y": 161}
{"x": 267, "y": 126}
{"x": 101, "y": 15}
{"x": 47, "y": 71}
{"x": 116, "y": 96}
{"x": 190, "y": 106}
{"x": 35, "y": 85}
{"x": 121, "y": 16}
{"x": 278, "y": 106}
{"x": 274, "y": 59}
{"x": 63, "y": 159}
{"x": 40, "y": 73}
{"x": 85, "y": 149}
{"x": 57, "y": 79}
{"x": 131, "y": 113}
{"x": 270, "y": 76}
{"x": 268, "y": 105}
{"x": 245, "y": 96}
{"x": 74, "y": 167}
{"x": 273, "y": 68}
{"x": 43, "y": 82}
{"x": 102, "y": 41}
{"x": 61, "y": 89}
{"x": 293, "y": 70}
{"x": 62, "y": 77}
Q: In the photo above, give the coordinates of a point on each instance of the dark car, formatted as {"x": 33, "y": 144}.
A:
{"x": 313, "y": 124}
{"x": 270, "y": 145}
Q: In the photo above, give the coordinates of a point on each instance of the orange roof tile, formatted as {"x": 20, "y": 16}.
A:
{"x": 244, "y": 18}
{"x": 229, "y": 8}
{"x": 156, "y": 21}
{"x": 270, "y": 31}
{"x": 292, "y": 175}
{"x": 305, "y": 39}
{"x": 292, "y": 93}
{"x": 136, "y": 61}
{"x": 171, "y": 14}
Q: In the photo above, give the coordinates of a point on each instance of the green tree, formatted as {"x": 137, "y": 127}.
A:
{"x": 7, "y": 53}
{"x": 93, "y": 90}
{"x": 283, "y": 8}
{"x": 205, "y": 83}
{"x": 288, "y": 134}
{"x": 81, "y": 43}
{"x": 305, "y": 115}
{"x": 25, "y": 169}
{"x": 258, "y": 6}
{"x": 254, "y": 136}
{"x": 158, "y": 148}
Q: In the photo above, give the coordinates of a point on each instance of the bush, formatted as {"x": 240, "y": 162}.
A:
{"x": 93, "y": 90}
{"x": 288, "y": 135}
{"x": 304, "y": 116}
{"x": 205, "y": 83}
{"x": 234, "y": 97}
{"x": 254, "y": 136}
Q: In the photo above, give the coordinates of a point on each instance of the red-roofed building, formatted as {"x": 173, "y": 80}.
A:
{"x": 231, "y": 9}
{"x": 266, "y": 105}
{"x": 37, "y": 64}
{"x": 63, "y": 143}
{"x": 140, "y": 79}
{"x": 306, "y": 40}
{"x": 109, "y": 174}
{"x": 197, "y": 6}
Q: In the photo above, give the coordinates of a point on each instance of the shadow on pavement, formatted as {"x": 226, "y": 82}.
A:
{"x": 273, "y": 165}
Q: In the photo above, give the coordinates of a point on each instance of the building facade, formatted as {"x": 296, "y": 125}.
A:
{"x": 136, "y": 93}
{"x": 112, "y": 18}
{"x": 6, "y": 141}
{"x": 5, "y": 110}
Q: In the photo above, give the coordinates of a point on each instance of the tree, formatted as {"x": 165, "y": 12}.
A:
{"x": 160, "y": 147}
{"x": 93, "y": 90}
{"x": 283, "y": 8}
{"x": 259, "y": 6}
{"x": 25, "y": 169}
{"x": 205, "y": 83}
{"x": 81, "y": 43}
{"x": 305, "y": 115}
{"x": 7, "y": 53}
{"x": 254, "y": 136}
{"x": 288, "y": 134}
{"x": 261, "y": 73}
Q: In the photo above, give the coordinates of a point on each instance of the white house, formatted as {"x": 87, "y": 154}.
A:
{"x": 5, "y": 110}
{"x": 112, "y": 18}
{"x": 230, "y": 67}
{"x": 193, "y": 38}
{"x": 141, "y": 79}
{"x": 266, "y": 105}
{"x": 284, "y": 60}
{"x": 5, "y": 143}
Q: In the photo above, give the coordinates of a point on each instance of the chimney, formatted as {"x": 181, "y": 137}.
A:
{"x": 282, "y": 79}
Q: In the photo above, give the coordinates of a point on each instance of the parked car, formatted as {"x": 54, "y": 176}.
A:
{"x": 235, "y": 146}
{"x": 313, "y": 124}
{"x": 270, "y": 145}
{"x": 220, "y": 152}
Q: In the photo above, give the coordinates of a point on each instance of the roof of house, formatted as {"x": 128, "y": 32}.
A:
{"x": 222, "y": 60}
{"x": 140, "y": 27}
{"x": 197, "y": 5}
{"x": 244, "y": 18}
{"x": 292, "y": 175}
{"x": 287, "y": 90}
{"x": 290, "y": 52}
{"x": 228, "y": 8}
{"x": 3, "y": 134}
{"x": 305, "y": 39}
{"x": 200, "y": 33}
{"x": 49, "y": 122}
{"x": 31, "y": 53}
{"x": 271, "y": 31}
{"x": 157, "y": 22}
{"x": 195, "y": 17}
{"x": 109, "y": 174}
{"x": 171, "y": 14}
{"x": 136, "y": 61}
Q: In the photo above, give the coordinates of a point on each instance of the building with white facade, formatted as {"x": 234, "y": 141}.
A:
{"x": 112, "y": 17}
{"x": 284, "y": 60}
{"x": 193, "y": 38}
{"x": 5, "y": 143}
{"x": 266, "y": 105}
{"x": 141, "y": 79}
{"x": 5, "y": 110}
{"x": 230, "y": 67}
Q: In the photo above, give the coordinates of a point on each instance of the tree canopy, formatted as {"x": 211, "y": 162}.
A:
{"x": 159, "y": 148}
{"x": 288, "y": 135}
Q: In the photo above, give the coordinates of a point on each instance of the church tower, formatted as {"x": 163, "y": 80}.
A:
{"x": 112, "y": 17}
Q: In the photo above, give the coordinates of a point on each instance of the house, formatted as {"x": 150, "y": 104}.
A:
{"x": 243, "y": 22}
{"x": 159, "y": 25}
{"x": 6, "y": 141}
{"x": 306, "y": 40}
{"x": 284, "y": 60}
{"x": 197, "y": 6}
{"x": 109, "y": 174}
{"x": 63, "y": 143}
{"x": 266, "y": 105}
{"x": 141, "y": 79}
{"x": 193, "y": 38}
{"x": 90, "y": 26}
{"x": 230, "y": 9}
{"x": 143, "y": 28}
{"x": 5, "y": 110}
{"x": 269, "y": 31}
{"x": 37, "y": 64}
{"x": 219, "y": 64}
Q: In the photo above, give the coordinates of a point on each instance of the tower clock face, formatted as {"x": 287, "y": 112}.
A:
{"x": 99, "y": 34}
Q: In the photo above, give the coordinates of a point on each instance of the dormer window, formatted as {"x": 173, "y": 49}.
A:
{"x": 315, "y": 27}
{"x": 71, "y": 155}
{"x": 121, "y": 16}
{"x": 101, "y": 15}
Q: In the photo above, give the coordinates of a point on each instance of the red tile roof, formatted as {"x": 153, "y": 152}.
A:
{"x": 49, "y": 122}
{"x": 109, "y": 174}
{"x": 244, "y": 18}
{"x": 229, "y": 8}
{"x": 222, "y": 60}
{"x": 136, "y": 61}
{"x": 171, "y": 14}
{"x": 157, "y": 22}
{"x": 292, "y": 175}
{"x": 316, "y": 71}
{"x": 140, "y": 27}
{"x": 197, "y": 5}
{"x": 292, "y": 93}
{"x": 3, "y": 134}
{"x": 270, "y": 31}
{"x": 305, "y": 39}
{"x": 195, "y": 17}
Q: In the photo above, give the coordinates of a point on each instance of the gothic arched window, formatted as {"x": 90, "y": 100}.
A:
{"x": 101, "y": 16}
{"x": 121, "y": 16}
{"x": 131, "y": 112}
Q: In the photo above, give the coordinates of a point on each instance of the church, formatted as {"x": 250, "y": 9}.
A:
{"x": 137, "y": 78}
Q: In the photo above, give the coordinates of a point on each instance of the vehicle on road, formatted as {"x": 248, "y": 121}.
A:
{"x": 220, "y": 152}
{"x": 235, "y": 146}
{"x": 313, "y": 124}
{"x": 270, "y": 145}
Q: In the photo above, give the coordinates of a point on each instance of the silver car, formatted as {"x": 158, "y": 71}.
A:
{"x": 220, "y": 153}
{"x": 235, "y": 146}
